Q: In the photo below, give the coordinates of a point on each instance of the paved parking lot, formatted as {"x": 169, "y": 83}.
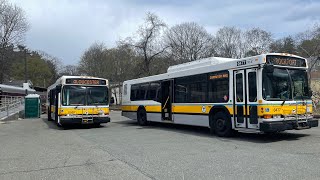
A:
{"x": 37, "y": 149}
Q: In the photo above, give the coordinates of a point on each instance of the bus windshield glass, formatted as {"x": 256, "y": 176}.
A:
{"x": 285, "y": 84}
{"x": 84, "y": 95}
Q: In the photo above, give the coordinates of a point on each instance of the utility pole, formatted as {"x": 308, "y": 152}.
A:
{"x": 25, "y": 66}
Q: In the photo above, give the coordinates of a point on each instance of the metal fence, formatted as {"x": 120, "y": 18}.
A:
{"x": 10, "y": 105}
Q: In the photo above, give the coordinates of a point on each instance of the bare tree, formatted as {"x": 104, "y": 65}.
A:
{"x": 228, "y": 42}
{"x": 92, "y": 61}
{"x": 123, "y": 60}
{"x": 54, "y": 64}
{"x": 257, "y": 41}
{"x": 13, "y": 26}
{"x": 70, "y": 70}
{"x": 149, "y": 45}
{"x": 189, "y": 42}
{"x": 309, "y": 42}
{"x": 309, "y": 46}
{"x": 284, "y": 45}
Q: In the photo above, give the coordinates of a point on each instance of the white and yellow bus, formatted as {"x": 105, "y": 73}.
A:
{"x": 78, "y": 100}
{"x": 260, "y": 94}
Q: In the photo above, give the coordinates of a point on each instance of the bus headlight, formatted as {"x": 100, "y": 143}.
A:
{"x": 308, "y": 109}
{"x": 101, "y": 112}
{"x": 277, "y": 116}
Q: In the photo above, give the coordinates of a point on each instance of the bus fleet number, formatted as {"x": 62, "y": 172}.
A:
{"x": 241, "y": 63}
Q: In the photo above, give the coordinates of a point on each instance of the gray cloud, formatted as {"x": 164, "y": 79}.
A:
{"x": 66, "y": 28}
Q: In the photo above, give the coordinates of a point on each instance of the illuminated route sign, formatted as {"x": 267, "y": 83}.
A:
{"x": 86, "y": 81}
{"x": 219, "y": 75}
{"x": 286, "y": 61}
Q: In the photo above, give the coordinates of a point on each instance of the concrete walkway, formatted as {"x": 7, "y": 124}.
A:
{"x": 37, "y": 149}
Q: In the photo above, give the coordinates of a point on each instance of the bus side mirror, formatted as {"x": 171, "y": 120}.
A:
{"x": 111, "y": 100}
{"x": 310, "y": 93}
{"x": 58, "y": 88}
{"x": 269, "y": 68}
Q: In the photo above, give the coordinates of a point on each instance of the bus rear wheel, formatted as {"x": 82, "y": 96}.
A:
{"x": 142, "y": 117}
{"x": 222, "y": 125}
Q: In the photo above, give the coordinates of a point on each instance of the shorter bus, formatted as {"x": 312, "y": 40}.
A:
{"x": 78, "y": 100}
{"x": 260, "y": 94}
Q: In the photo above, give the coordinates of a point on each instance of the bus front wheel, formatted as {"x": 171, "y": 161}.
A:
{"x": 142, "y": 117}
{"x": 222, "y": 125}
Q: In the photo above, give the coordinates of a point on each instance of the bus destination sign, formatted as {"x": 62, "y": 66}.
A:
{"x": 286, "y": 61}
{"x": 219, "y": 75}
{"x": 86, "y": 81}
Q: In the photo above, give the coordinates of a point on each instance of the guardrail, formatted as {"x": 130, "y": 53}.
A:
{"x": 10, "y": 105}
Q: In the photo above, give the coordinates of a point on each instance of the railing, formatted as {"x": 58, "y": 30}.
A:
{"x": 10, "y": 105}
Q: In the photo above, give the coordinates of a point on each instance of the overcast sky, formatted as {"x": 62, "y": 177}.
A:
{"x": 65, "y": 28}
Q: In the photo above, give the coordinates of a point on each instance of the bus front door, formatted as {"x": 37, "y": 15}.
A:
{"x": 245, "y": 98}
{"x": 166, "y": 100}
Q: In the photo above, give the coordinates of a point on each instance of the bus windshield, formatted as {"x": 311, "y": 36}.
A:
{"x": 84, "y": 95}
{"x": 285, "y": 84}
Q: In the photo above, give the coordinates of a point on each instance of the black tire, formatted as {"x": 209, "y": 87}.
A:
{"x": 222, "y": 125}
{"x": 142, "y": 117}
{"x": 211, "y": 124}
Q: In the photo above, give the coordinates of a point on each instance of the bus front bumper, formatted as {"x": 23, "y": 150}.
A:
{"x": 64, "y": 120}
{"x": 277, "y": 126}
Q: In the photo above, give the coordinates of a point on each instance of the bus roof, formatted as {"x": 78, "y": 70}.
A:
{"x": 199, "y": 63}
{"x": 62, "y": 80}
{"x": 206, "y": 65}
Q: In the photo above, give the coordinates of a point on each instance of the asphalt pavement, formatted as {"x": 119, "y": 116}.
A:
{"x": 38, "y": 149}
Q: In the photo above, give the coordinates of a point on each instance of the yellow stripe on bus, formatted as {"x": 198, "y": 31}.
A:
{"x": 199, "y": 109}
{"x": 129, "y": 108}
{"x": 83, "y": 110}
{"x": 283, "y": 110}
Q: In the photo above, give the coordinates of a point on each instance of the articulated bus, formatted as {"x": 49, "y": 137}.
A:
{"x": 260, "y": 94}
{"x": 79, "y": 100}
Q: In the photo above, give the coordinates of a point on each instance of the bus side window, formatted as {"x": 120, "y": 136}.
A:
{"x": 133, "y": 92}
{"x": 252, "y": 83}
{"x": 239, "y": 88}
{"x": 152, "y": 91}
{"x": 218, "y": 89}
{"x": 191, "y": 89}
{"x": 142, "y": 92}
{"x": 138, "y": 92}
{"x": 125, "y": 89}
{"x": 159, "y": 95}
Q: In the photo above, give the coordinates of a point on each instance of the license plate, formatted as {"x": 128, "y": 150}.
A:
{"x": 86, "y": 121}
